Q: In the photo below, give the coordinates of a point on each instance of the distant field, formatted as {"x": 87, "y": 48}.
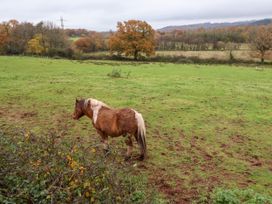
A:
{"x": 245, "y": 55}
{"x": 239, "y": 55}
{"x": 74, "y": 38}
{"x": 208, "y": 126}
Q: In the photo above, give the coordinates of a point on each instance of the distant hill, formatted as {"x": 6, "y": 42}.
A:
{"x": 216, "y": 25}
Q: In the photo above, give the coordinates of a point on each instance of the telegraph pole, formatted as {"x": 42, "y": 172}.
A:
{"x": 62, "y": 22}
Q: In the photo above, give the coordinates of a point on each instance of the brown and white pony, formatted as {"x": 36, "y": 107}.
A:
{"x": 113, "y": 122}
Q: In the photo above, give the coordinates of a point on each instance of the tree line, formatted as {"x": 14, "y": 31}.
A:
{"x": 43, "y": 38}
{"x": 202, "y": 39}
{"x": 133, "y": 38}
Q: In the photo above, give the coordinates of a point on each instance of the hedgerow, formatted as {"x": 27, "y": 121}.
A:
{"x": 51, "y": 168}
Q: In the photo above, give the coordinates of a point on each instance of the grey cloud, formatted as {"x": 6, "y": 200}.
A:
{"x": 103, "y": 14}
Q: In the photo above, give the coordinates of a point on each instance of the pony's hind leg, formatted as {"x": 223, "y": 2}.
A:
{"x": 129, "y": 148}
{"x": 142, "y": 154}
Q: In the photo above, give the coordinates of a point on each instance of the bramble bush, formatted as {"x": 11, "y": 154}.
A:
{"x": 53, "y": 168}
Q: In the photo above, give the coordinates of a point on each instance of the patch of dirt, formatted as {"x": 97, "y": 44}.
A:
{"x": 24, "y": 115}
{"x": 225, "y": 148}
{"x": 244, "y": 154}
{"x": 255, "y": 161}
{"x": 177, "y": 193}
{"x": 201, "y": 151}
{"x": 16, "y": 114}
{"x": 239, "y": 139}
{"x": 200, "y": 175}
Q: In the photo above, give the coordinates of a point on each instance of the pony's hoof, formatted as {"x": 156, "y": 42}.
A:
{"x": 106, "y": 152}
{"x": 141, "y": 158}
{"x": 127, "y": 158}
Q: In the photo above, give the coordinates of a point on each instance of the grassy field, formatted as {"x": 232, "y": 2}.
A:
{"x": 208, "y": 126}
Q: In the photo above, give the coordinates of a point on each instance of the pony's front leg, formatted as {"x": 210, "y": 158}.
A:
{"x": 129, "y": 148}
{"x": 106, "y": 145}
{"x": 105, "y": 141}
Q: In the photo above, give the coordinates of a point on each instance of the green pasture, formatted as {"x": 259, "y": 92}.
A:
{"x": 208, "y": 126}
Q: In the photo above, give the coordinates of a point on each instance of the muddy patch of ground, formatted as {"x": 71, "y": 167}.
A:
{"x": 16, "y": 114}
{"x": 200, "y": 175}
{"x": 244, "y": 145}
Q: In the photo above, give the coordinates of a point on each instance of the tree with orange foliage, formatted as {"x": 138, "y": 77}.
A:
{"x": 5, "y": 32}
{"x": 3, "y": 37}
{"x": 91, "y": 43}
{"x": 261, "y": 39}
{"x": 35, "y": 45}
{"x": 133, "y": 38}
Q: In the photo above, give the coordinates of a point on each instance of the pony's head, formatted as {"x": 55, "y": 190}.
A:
{"x": 79, "y": 109}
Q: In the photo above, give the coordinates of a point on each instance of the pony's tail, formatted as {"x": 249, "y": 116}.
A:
{"x": 141, "y": 132}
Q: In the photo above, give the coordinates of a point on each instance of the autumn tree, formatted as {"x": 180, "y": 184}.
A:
{"x": 6, "y": 30}
{"x": 3, "y": 37}
{"x": 261, "y": 40}
{"x": 133, "y": 38}
{"x": 44, "y": 38}
{"x": 19, "y": 38}
{"x": 35, "y": 45}
{"x": 91, "y": 43}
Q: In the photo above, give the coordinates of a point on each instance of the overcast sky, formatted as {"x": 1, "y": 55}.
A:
{"x": 102, "y": 15}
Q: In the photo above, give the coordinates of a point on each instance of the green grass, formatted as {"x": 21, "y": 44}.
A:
{"x": 208, "y": 126}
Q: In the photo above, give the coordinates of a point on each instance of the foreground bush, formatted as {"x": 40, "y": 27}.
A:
{"x": 117, "y": 73}
{"x": 53, "y": 169}
{"x": 237, "y": 196}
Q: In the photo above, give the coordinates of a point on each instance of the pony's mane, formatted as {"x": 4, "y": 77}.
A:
{"x": 94, "y": 102}
{"x": 96, "y": 105}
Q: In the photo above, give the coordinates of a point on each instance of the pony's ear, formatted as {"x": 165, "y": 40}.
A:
{"x": 77, "y": 100}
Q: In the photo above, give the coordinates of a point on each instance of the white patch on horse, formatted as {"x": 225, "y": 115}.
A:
{"x": 95, "y": 106}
